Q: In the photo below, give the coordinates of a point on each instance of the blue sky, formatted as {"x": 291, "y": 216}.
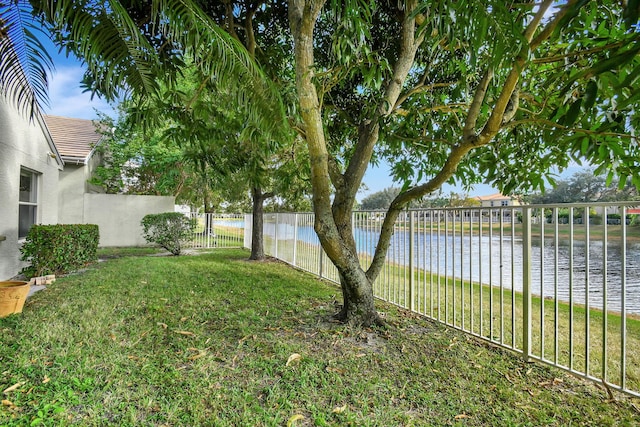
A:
{"x": 65, "y": 95}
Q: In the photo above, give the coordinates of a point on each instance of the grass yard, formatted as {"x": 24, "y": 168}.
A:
{"x": 215, "y": 340}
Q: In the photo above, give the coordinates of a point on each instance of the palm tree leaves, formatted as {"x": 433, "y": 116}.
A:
{"x": 133, "y": 47}
{"x": 24, "y": 62}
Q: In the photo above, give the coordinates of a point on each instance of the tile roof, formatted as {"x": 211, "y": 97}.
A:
{"x": 75, "y": 138}
{"x": 497, "y": 196}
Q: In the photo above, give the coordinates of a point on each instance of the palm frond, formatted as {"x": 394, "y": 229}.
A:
{"x": 24, "y": 61}
{"x": 124, "y": 57}
{"x": 118, "y": 56}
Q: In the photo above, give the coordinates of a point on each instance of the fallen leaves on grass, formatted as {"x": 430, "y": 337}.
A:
{"x": 295, "y": 357}
{"x": 339, "y": 409}
{"x": 461, "y": 416}
{"x": 14, "y": 387}
{"x": 198, "y": 355}
{"x": 185, "y": 333}
{"x": 294, "y": 418}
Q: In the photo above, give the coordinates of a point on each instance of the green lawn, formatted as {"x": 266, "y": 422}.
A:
{"x": 216, "y": 340}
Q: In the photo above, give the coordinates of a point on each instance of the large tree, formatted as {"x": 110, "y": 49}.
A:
{"x": 472, "y": 90}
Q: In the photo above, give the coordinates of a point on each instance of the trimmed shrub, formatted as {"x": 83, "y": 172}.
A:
{"x": 168, "y": 230}
{"x": 59, "y": 249}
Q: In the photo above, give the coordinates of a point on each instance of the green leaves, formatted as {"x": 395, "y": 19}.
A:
{"x": 59, "y": 249}
{"x": 168, "y": 230}
{"x": 24, "y": 62}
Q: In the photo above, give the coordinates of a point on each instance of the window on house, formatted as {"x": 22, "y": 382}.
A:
{"x": 28, "y": 201}
{"x": 505, "y": 203}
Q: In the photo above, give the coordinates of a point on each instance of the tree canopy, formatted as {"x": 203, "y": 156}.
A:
{"x": 585, "y": 186}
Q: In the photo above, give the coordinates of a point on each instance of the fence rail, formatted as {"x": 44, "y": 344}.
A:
{"x": 218, "y": 231}
{"x": 558, "y": 284}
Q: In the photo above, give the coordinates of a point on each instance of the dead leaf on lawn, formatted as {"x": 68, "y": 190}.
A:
{"x": 14, "y": 387}
{"x": 164, "y": 325}
{"x": 339, "y": 409}
{"x": 185, "y": 333}
{"x": 461, "y": 416}
{"x": 293, "y": 358}
{"x": 46, "y": 379}
{"x": 7, "y": 403}
{"x": 197, "y": 356}
{"x": 335, "y": 370}
{"x": 294, "y": 418}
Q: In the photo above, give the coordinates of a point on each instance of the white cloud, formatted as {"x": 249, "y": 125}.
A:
{"x": 67, "y": 99}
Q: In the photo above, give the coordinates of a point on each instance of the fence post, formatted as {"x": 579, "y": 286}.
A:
{"x": 275, "y": 234}
{"x": 412, "y": 281}
{"x": 295, "y": 238}
{"x": 526, "y": 282}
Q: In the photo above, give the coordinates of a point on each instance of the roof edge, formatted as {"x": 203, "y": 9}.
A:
{"x": 47, "y": 134}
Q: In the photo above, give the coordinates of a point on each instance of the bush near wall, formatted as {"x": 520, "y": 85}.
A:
{"x": 59, "y": 249}
{"x": 168, "y": 230}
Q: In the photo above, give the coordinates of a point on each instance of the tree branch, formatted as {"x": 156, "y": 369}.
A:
{"x": 557, "y": 58}
{"x": 369, "y": 131}
{"x": 421, "y": 87}
{"x": 469, "y": 129}
{"x": 403, "y": 199}
{"x": 552, "y": 124}
{"x": 494, "y": 122}
{"x": 334, "y": 172}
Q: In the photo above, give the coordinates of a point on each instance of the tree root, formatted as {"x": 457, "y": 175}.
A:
{"x": 372, "y": 320}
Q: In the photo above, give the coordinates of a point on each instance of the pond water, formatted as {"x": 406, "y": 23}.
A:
{"x": 498, "y": 261}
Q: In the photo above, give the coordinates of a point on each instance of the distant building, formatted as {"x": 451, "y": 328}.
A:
{"x": 497, "y": 200}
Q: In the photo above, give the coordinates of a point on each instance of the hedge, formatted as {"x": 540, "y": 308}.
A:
{"x": 59, "y": 249}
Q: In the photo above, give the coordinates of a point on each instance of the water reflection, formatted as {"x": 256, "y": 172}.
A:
{"x": 498, "y": 261}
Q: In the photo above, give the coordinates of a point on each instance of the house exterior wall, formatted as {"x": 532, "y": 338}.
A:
{"x": 496, "y": 202}
{"x": 71, "y": 194}
{"x": 23, "y": 144}
{"x": 118, "y": 216}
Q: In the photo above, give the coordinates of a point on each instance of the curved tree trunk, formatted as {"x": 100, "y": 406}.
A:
{"x": 333, "y": 222}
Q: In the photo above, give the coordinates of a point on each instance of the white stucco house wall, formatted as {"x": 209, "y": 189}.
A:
{"x": 118, "y": 216}
{"x": 44, "y": 167}
{"x": 30, "y": 165}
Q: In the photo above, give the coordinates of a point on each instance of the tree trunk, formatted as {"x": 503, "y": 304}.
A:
{"x": 208, "y": 217}
{"x": 257, "y": 239}
{"x": 358, "y": 307}
{"x": 333, "y": 211}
